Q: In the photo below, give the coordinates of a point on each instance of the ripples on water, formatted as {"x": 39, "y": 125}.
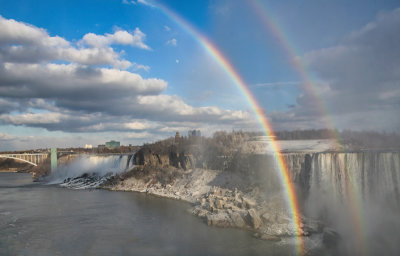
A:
{"x": 38, "y": 219}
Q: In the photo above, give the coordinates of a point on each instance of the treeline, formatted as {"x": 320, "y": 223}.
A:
{"x": 226, "y": 143}
{"x": 369, "y": 139}
{"x": 222, "y": 143}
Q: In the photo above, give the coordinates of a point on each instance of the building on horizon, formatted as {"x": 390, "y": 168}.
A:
{"x": 112, "y": 144}
{"x": 88, "y": 146}
{"x": 177, "y": 138}
{"x": 194, "y": 133}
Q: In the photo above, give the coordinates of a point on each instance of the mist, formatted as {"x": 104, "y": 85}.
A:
{"x": 93, "y": 165}
{"x": 356, "y": 194}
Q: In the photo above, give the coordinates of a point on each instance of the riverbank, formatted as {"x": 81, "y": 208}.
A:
{"x": 222, "y": 199}
{"x": 9, "y": 170}
{"x": 38, "y": 219}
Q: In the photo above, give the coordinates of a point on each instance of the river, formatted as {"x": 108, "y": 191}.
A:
{"x": 40, "y": 219}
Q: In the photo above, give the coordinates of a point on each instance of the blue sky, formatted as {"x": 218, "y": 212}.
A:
{"x": 180, "y": 86}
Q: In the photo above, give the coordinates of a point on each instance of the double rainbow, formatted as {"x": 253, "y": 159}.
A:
{"x": 219, "y": 57}
{"x": 355, "y": 199}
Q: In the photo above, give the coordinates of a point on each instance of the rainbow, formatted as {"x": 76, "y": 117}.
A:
{"x": 218, "y": 56}
{"x": 272, "y": 26}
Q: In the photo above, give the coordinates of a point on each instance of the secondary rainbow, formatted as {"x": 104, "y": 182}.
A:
{"x": 218, "y": 56}
{"x": 275, "y": 29}
{"x": 272, "y": 26}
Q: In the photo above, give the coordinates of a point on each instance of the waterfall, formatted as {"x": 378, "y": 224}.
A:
{"x": 371, "y": 176}
{"x": 355, "y": 193}
{"x": 90, "y": 171}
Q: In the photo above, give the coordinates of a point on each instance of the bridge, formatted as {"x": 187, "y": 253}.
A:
{"x": 33, "y": 159}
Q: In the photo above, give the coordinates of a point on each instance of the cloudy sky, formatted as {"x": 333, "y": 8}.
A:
{"x": 84, "y": 72}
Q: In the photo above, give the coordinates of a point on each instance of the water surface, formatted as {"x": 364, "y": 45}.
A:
{"x": 39, "y": 219}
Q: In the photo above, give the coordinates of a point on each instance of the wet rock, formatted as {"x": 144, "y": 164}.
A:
{"x": 237, "y": 220}
{"x": 200, "y": 212}
{"x": 253, "y": 219}
{"x": 218, "y": 220}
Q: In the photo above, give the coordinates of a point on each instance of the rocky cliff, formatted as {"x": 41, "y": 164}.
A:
{"x": 148, "y": 157}
{"x": 246, "y": 192}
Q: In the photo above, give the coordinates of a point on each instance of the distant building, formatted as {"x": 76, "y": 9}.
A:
{"x": 112, "y": 144}
{"x": 194, "y": 133}
{"x": 88, "y": 146}
{"x": 177, "y": 138}
{"x": 101, "y": 146}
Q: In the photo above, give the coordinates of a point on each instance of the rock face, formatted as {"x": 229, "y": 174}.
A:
{"x": 253, "y": 219}
{"x": 220, "y": 198}
{"x": 147, "y": 157}
{"x": 225, "y": 208}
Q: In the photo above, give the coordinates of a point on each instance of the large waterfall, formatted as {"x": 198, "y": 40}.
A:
{"x": 355, "y": 193}
{"x": 90, "y": 171}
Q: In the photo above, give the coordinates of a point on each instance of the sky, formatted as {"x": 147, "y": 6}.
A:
{"x": 85, "y": 72}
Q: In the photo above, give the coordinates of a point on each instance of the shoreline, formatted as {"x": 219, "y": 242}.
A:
{"x": 12, "y": 171}
{"x": 224, "y": 199}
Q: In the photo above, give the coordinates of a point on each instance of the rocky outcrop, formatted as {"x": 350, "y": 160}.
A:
{"x": 147, "y": 157}
{"x": 221, "y": 198}
{"x": 226, "y": 208}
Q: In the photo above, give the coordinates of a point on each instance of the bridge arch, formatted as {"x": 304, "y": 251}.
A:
{"x": 33, "y": 159}
{"x": 19, "y": 159}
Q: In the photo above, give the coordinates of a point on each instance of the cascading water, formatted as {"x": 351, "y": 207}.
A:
{"x": 90, "y": 171}
{"x": 355, "y": 193}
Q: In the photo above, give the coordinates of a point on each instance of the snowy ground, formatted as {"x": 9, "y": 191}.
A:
{"x": 264, "y": 146}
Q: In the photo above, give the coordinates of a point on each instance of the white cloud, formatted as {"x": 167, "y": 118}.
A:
{"x": 166, "y": 28}
{"x": 128, "y": 2}
{"x": 136, "y": 67}
{"x": 359, "y": 79}
{"x": 132, "y": 2}
{"x": 145, "y": 2}
{"x": 82, "y": 97}
{"x": 24, "y": 43}
{"x": 172, "y": 42}
{"x": 6, "y": 137}
{"x": 121, "y": 37}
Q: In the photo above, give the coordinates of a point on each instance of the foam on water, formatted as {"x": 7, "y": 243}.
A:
{"x": 90, "y": 171}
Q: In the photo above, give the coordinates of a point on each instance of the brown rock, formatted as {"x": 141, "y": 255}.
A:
{"x": 219, "y": 203}
{"x": 218, "y": 220}
{"x": 266, "y": 217}
{"x": 247, "y": 203}
{"x": 253, "y": 219}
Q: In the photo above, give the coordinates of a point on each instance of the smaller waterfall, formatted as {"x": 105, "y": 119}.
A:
{"x": 90, "y": 171}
